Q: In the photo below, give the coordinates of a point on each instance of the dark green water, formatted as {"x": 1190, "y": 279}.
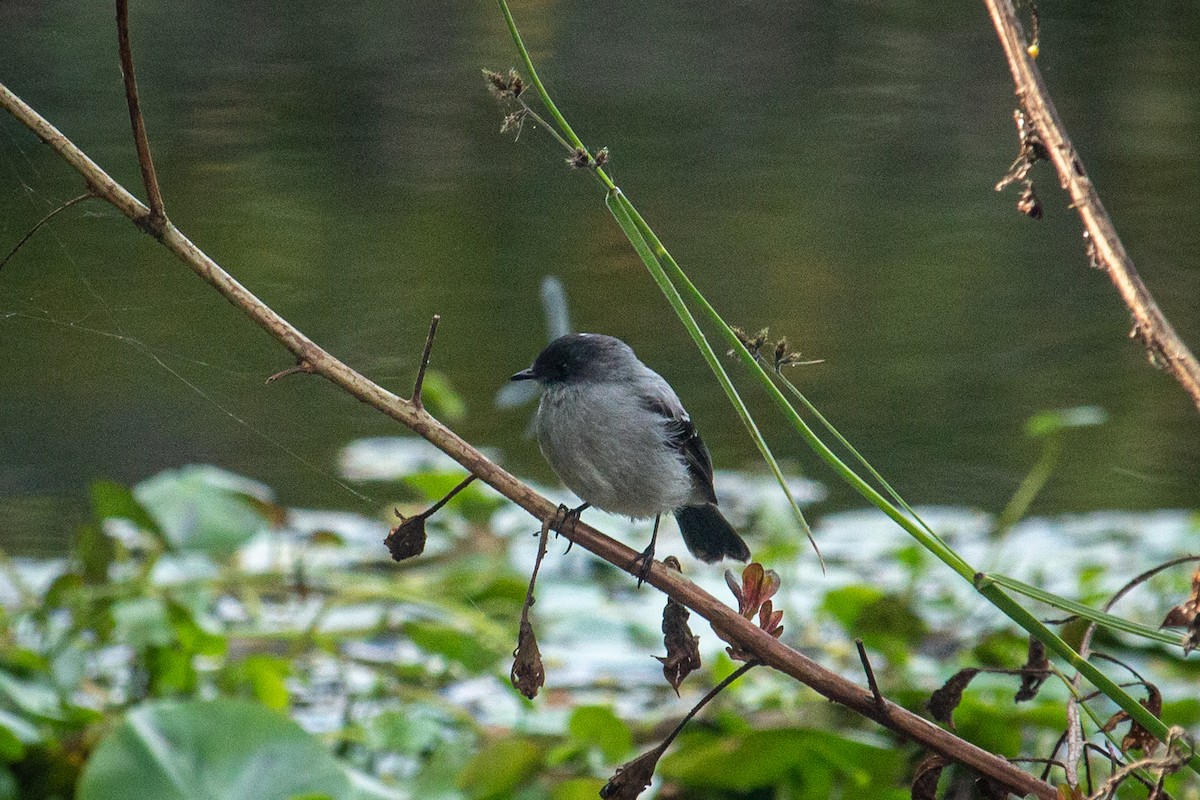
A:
{"x": 822, "y": 168}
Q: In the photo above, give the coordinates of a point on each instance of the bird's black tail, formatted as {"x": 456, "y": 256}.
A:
{"x": 707, "y": 534}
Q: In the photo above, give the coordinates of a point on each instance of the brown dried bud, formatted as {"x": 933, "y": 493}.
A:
{"x": 683, "y": 648}
{"x": 1187, "y": 615}
{"x": 926, "y": 775}
{"x": 1034, "y": 672}
{"x": 408, "y": 538}
{"x": 943, "y": 702}
{"x": 632, "y": 777}
{"x": 601, "y": 158}
{"x": 527, "y": 674}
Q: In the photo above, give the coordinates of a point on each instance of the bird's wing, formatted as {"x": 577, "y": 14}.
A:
{"x": 662, "y": 400}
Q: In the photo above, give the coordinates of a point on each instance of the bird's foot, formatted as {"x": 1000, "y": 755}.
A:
{"x": 564, "y": 515}
{"x": 642, "y": 563}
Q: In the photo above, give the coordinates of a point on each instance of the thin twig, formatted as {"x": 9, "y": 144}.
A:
{"x": 416, "y": 393}
{"x": 303, "y": 366}
{"x": 1150, "y": 325}
{"x": 866, "y": 663}
{"x": 149, "y": 178}
{"x": 433, "y": 509}
{"x": 713, "y": 692}
{"x": 726, "y": 621}
{"x": 72, "y": 202}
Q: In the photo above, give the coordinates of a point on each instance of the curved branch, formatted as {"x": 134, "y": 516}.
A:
{"x": 725, "y": 621}
{"x": 1150, "y": 326}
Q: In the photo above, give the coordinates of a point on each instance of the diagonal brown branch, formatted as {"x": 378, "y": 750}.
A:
{"x": 149, "y": 178}
{"x": 1150, "y": 326}
{"x": 725, "y": 621}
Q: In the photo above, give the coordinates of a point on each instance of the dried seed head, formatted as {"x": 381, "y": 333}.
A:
{"x": 504, "y": 86}
{"x": 514, "y": 121}
{"x": 601, "y": 158}
{"x": 579, "y": 159}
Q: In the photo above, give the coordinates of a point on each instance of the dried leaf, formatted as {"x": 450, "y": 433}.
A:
{"x": 633, "y": 777}
{"x": 683, "y": 648}
{"x": 1138, "y": 737}
{"x": 527, "y": 674}
{"x": 1028, "y": 203}
{"x": 408, "y": 538}
{"x": 1034, "y": 672}
{"x": 989, "y": 789}
{"x": 1187, "y": 615}
{"x": 1113, "y": 721}
{"x": 943, "y": 702}
{"x": 926, "y": 775}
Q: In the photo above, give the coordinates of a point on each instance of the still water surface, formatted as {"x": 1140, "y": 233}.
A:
{"x": 822, "y": 168}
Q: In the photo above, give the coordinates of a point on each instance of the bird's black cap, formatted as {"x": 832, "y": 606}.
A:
{"x": 579, "y": 356}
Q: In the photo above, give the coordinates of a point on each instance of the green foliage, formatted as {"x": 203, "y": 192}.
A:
{"x": 196, "y": 687}
{"x": 210, "y": 750}
{"x": 202, "y": 509}
{"x": 809, "y": 763}
{"x": 499, "y": 768}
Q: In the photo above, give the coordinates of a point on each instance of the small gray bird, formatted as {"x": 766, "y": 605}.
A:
{"x": 616, "y": 434}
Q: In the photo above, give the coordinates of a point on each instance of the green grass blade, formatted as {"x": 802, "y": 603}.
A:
{"x": 1086, "y": 612}
{"x": 685, "y": 316}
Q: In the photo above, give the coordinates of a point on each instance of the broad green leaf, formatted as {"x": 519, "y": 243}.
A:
{"x": 578, "y": 789}
{"x": 458, "y": 646}
{"x": 111, "y": 499}
{"x": 95, "y": 551}
{"x": 599, "y": 726}
{"x": 210, "y": 750}
{"x": 440, "y": 396}
{"x": 781, "y": 756}
{"x": 202, "y": 508}
{"x": 142, "y": 622}
{"x": 499, "y": 768}
{"x": 34, "y": 698}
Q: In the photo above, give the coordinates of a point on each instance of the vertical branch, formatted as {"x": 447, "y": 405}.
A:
{"x": 149, "y": 178}
{"x": 1150, "y": 325}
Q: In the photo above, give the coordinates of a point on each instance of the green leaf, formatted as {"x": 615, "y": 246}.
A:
{"x": 846, "y": 604}
{"x": 578, "y": 789}
{"x": 95, "y": 551}
{"x": 202, "y": 508}
{"x": 600, "y": 727}
{"x": 499, "y": 768}
{"x": 210, "y": 750}
{"x": 111, "y": 499}
{"x": 191, "y": 633}
{"x": 266, "y": 678}
{"x": 759, "y": 759}
{"x": 440, "y": 396}
{"x": 11, "y": 747}
{"x": 142, "y": 622}
{"x": 172, "y": 671}
{"x": 457, "y": 646}
{"x": 33, "y": 698}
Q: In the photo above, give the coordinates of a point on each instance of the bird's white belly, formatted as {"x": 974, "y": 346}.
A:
{"x": 611, "y": 452}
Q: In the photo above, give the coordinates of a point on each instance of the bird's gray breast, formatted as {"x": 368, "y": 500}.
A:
{"x": 612, "y": 451}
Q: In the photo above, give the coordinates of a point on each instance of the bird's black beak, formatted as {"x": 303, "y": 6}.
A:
{"x": 524, "y": 375}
